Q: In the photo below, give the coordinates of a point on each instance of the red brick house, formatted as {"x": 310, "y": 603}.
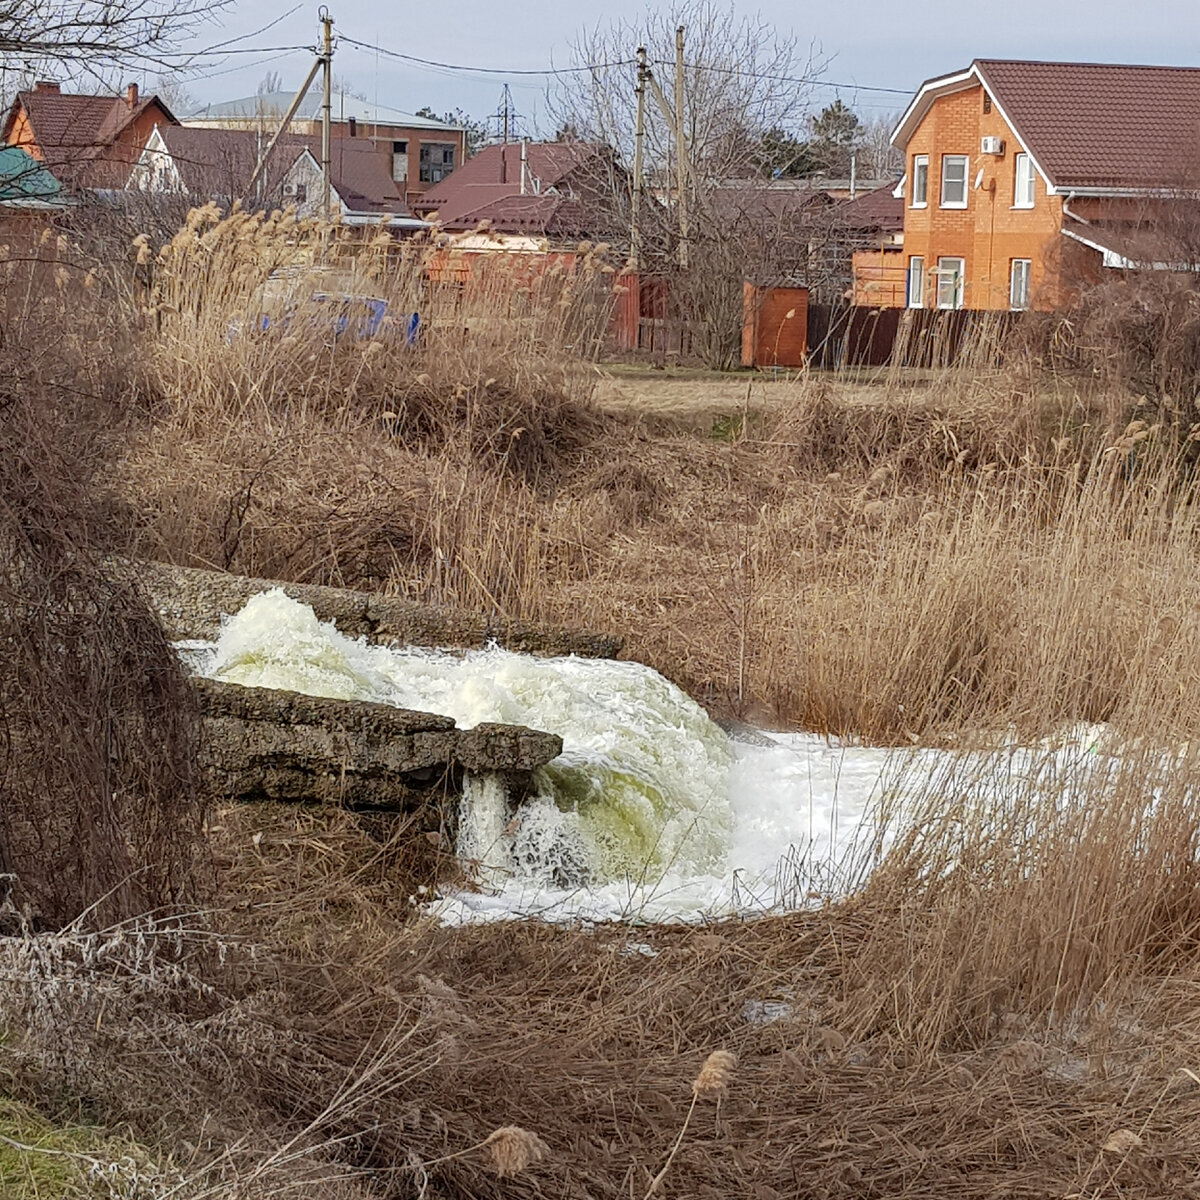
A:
{"x": 1024, "y": 178}
{"x": 85, "y": 141}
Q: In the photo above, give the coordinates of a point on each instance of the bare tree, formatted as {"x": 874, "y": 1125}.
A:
{"x": 741, "y": 79}
{"x": 171, "y": 88}
{"x": 269, "y": 84}
{"x": 877, "y": 157}
{"x": 92, "y": 36}
{"x": 744, "y": 86}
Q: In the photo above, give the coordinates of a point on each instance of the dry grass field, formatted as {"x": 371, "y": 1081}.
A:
{"x": 1005, "y": 1008}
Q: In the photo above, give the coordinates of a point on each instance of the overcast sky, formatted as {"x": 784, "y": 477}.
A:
{"x": 869, "y": 43}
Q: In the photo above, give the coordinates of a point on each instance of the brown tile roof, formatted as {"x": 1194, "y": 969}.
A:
{"x": 218, "y": 164}
{"x": 547, "y": 165}
{"x": 73, "y": 130}
{"x": 1101, "y": 126}
{"x": 362, "y": 175}
{"x": 487, "y": 187}
{"x": 878, "y": 211}
{"x": 550, "y": 215}
{"x": 1165, "y": 236}
{"x": 763, "y": 201}
{"x": 214, "y": 163}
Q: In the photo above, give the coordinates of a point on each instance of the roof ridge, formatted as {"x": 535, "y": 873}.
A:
{"x": 1055, "y": 62}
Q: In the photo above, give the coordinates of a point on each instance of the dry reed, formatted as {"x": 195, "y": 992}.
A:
{"x": 1005, "y": 1008}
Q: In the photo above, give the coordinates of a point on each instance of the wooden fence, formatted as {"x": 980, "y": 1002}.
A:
{"x": 847, "y": 336}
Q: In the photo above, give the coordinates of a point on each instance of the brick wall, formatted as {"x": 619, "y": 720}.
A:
{"x": 880, "y": 278}
{"x": 990, "y": 232}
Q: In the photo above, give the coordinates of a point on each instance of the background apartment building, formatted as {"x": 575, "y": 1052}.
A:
{"x": 419, "y": 152}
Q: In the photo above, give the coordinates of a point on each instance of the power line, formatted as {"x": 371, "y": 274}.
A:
{"x": 587, "y": 68}
{"x": 216, "y": 53}
{"x": 261, "y": 63}
{"x": 810, "y": 80}
{"x": 428, "y": 62}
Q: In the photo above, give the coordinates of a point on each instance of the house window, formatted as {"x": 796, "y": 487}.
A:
{"x": 437, "y": 161}
{"x": 950, "y": 282}
{"x": 1023, "y": 182}
{"x": 916, "y": 282}
{"x": 987, "y": 102}
{"x": 1018, "y": 283}
{"x": 920, "y": 178}
{"x": 399, "y": 162}
{"x": 954, "y": 181}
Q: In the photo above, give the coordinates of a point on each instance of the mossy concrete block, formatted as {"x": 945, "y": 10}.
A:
{"x": 268, "y": 744}
{"x": 190, "y": 603}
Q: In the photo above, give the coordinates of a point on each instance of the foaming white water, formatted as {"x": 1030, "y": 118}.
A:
{"x": 651, "y": 812}
{"x": 639, "y": 787}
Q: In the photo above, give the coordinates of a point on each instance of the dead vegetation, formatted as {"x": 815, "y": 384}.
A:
{"x": 1006, "y": 1008}
{"x": 875, "y": 1056}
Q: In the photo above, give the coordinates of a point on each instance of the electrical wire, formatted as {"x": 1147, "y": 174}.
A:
{"x": 588, "y": 68}
{"x": 213, "y": 52}
{"x": 428, "y": 62}
{"x": 810, "y": 80}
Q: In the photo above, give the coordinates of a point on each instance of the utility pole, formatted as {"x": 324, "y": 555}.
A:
{"x": 681, "y": 153}
{"x": 283, "y": 125}
{"x": 639, "y": 130}
{"x": 684, "y": 167}
{"x": 326, "y": 107}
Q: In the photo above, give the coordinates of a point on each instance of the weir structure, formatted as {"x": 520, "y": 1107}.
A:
{"x": 269, "y": 744}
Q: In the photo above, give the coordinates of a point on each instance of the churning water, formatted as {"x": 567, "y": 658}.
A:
{"x": 651, "y": 811}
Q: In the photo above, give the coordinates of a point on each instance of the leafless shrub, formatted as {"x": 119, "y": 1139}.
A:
{"x": 99, "y": 804}
{"x": 1134, "y": 328}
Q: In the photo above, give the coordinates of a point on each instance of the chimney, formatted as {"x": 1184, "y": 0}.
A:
{"x": 47, "y": 85}
{"x": 131, "y": 95}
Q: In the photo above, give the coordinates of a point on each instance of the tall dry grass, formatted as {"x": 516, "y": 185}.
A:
{"x": 973, "y": 553}
{"x": 1005, "y": 1008}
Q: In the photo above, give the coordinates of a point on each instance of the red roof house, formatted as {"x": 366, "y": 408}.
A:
{"x": 87, "y": 141}
{"x": 535, "y": 188}
{"x": 217, "y": 164}
{"x": 1024, "y": 178}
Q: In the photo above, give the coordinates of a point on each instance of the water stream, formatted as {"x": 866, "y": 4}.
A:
{"x": 651, "y": 812}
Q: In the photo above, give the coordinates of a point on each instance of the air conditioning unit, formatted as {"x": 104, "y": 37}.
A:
{"x": 991, "y": 145}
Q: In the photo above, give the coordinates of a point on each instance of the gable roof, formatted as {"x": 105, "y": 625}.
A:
{"x": 1100, "y": 128}
{"x": 487, "y": 187}
{"x": 879, "y": 210}
{"x": 212, "y": 162}
{"x": 763, "y": 200}
{"x": 218, "y": 163}
{"x": 73, "y": 130}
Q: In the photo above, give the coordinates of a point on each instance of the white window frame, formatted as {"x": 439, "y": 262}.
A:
{"x": 1022, "y": 181}
{"x": 400, "y": 162}
{"x": 920, "y": 170}
{"x": 915, "y": 285}
{"x": 1019, "y": 268}
{"x": 944, "y": 269}
{"x": 947, "y": 159}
